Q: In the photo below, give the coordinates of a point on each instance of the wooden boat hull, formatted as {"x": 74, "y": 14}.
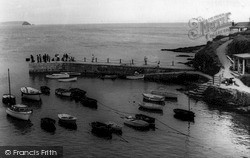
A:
{"x": 68, "y": 79}
{"x": 101, "y": 130}
{"x": 167, "y": 95}
{"x": 48, "y": 124}
{"x": 63, "y": 92}
{"x": 45, "y": 90}
{"x": 19, "y": 115}
{"x": 151, "y": 106}
{"x": 184, "y": 114}
{"x": 137, "y": 124}
{"x": 31, "y": 93}
{"x": 114, "y": 128}
{"x": 65, "y": 118}
{"x": 153, "y": 97}
{"x": 89, "y": 102}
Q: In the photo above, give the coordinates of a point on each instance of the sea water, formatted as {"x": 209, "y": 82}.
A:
{"x": 213, "y": 133}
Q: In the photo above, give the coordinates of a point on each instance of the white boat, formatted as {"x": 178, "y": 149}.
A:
{"x": 31, "y": 93}
{"x": 67, "y": 79}
{"x": 151, "y": 106}
{"x": 67, "y": 118}
{"x": 57, "y": 76}
{"x": 136, "y": 76}
{"x": 166, "y": 94}
{"x": 19, "y": 111}
{"x": 153, "y": 97}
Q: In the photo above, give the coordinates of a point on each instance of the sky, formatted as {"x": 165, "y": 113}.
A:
{"x": 119, "y": 11}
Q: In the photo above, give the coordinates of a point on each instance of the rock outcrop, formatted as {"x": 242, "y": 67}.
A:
{"x": 193, "y": 49}
{"x": 230, "y": 99}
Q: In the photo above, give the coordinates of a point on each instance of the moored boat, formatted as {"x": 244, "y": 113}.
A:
{"x": 19, "y": 111}
{"x": 63, "y": 92}
{"x": 57, "y": 76}
{"x": 185, "y": 115}
{"x": 146, "y": 118}
{"x": 31, "y": 93}
{"x": 101, "y": 129}
{"x": 115, "y": 128}
{"x": 153, "y": 97}
{"x": 136, "y": 76}
{"x": 45, "y": 90}
{"x": 48, "y": 124}
{"x": 9, "y": 98}
{"x": 151, "y": 106}
{"x": 89, "y": 102}
{"x": 166, "y": 94}
{"x": 137, "y": 124}
{"x": 67, "y": 118}
{"x": 67, "y": 79}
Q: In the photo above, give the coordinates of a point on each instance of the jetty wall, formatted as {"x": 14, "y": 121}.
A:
{"x": 98, "y": 68}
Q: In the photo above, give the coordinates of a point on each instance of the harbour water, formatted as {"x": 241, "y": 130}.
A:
{"x": 213, "y": 134}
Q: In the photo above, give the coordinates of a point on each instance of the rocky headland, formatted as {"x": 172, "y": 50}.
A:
{"x": 211, "y": 59}
{"x": 15, "y": 23}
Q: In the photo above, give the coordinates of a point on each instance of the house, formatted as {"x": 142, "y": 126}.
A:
{"x": 241, "y": 63}
{"x": 239, "y": 27}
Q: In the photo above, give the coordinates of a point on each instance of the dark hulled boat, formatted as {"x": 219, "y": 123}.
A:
{"x": 48, "y": 124}
{"x": 101, "y": 129}
{"x": 9, "y": 98}
{"x": 89, "y": 102}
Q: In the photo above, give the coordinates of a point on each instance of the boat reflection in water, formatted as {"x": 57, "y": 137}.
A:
{"x": 21, "y": 126}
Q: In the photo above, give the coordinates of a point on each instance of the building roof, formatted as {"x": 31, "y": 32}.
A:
{"x": 241, "y": 25}
{"x": 243, "y": 56}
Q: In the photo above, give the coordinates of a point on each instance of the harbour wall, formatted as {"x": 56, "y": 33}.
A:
{"x": 98, "y": 68}
{"x": 171, "y": 74}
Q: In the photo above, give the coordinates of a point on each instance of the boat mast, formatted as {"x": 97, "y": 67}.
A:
{"x": 9, "y": 82}
{"x": 188, "y": 103}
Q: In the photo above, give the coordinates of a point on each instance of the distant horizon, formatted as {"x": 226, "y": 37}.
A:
{"x": 120, "y": 11}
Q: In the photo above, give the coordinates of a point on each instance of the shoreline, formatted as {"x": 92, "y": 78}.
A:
{"x": 192, "y": 49}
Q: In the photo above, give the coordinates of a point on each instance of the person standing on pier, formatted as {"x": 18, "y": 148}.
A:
{"x": 145, "y": 60}
{"x": 93, "y": 58}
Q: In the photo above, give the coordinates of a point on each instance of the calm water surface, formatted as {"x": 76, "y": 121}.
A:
{"x": 213, "y": 134}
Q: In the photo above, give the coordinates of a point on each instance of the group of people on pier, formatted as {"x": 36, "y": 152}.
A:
{"x": 46, "y": 58}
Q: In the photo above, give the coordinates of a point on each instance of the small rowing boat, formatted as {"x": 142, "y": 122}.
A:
{"x": 66, "y": 118}
{"x": 136, "y": 123}
{"x": 153, "y": 97}
{"x": 19, "y": 111}
{"x": 31, "y": 93}
{"x": 166, "y": 94}
{"x": 136, "y": 76}
{"x": 67, "y": 79}
{"x": 151, "y": 106}
{"x": 57, "y": 76}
